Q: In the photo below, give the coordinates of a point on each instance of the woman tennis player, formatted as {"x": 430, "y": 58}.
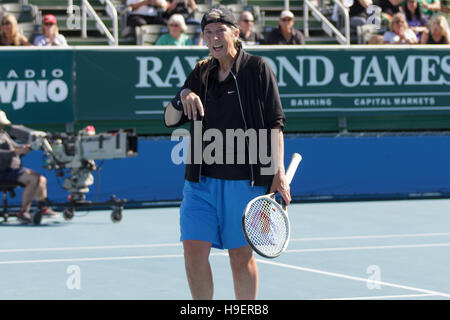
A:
{"x": 229, "y": 90}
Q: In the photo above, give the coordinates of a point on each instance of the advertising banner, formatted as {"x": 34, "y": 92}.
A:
{"x": 130, "y": 84}
{"x": 137, "y": 84}
{"x": 36, "y": 86}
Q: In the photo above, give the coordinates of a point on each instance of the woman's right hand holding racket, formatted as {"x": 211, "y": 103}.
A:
{"x": 281, "y": 185}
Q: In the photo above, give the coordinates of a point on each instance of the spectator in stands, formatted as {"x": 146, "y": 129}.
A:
{"x": 50, "y": 35}
{"x": 184, "y": 7}
{"x": 415, "y": 18}
{"x": 389, "y": 7}
{"x": 439, "y": 32}
{"x": 375, "y": 39}
{"x": 11, "y": 170}
{"x": 358, "y": 13}
{"x": 445, "y": 7}
{"x": 286, "y": 33}
{"x": 430, "y": 7}
{"x": 145, "y": 12}
{"x": 247, "y": 35}
{"x": 400, "y": 32}
{"x": 11, "y": 35}
{"x": 177, "y": 33}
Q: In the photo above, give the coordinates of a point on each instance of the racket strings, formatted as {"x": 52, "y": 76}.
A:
{"x": 267, "y": 227}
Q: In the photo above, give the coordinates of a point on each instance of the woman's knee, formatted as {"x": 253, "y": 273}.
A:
{"x": 42, "y": 181}
{"x": 196, "y": 252}
{"x": 30, "y": 178}
{"x": 241, "y": 257}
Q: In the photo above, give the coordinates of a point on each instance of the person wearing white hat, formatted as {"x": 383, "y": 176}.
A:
{"x": 286, "y": 33}
{"x": 11, "y": 170}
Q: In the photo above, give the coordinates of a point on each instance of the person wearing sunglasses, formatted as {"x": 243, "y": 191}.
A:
{"x": 247, "y": 35}
{"x": 286, "y": 33}
{"x": 50, "y": 35}
{"x": 400, "y": 33}
{"x": 10, "y": 35}
{"x": 176, "y": 35}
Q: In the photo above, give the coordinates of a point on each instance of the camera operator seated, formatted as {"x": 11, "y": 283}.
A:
{"x": 11, "y": 170}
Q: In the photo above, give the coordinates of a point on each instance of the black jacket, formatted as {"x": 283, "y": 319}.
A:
{"x": 259, "y": 98}
{"x": 276, "y": 37}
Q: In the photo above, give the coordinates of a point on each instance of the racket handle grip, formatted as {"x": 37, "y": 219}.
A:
{"x": 292, "y": 168}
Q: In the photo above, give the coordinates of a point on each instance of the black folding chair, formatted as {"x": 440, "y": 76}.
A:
{"x": 5, "y": 188}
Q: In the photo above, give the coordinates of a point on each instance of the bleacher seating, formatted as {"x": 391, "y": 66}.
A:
{"x": 193, "y": 31}
{"x": 200, "y": 10}
{"x": 23, "y": 13}
{"x": 30, "y": 30}
{"x": 71, "y": 28}
{"x": 148, "y": 34}
{"x": 266, "y": 14}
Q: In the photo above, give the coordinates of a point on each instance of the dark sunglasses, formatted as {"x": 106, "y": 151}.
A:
{"x": 6, "y": 23}
{"x": 48, "y": 24}
{"x": 174, "y": 25}
{"x": 286, "y": 19}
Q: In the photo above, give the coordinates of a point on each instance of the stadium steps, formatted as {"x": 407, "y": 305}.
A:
{"x": 73, "y": 32}
{"x": 98, "y": 41}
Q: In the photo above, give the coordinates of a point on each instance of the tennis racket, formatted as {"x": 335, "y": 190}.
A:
{"x": 265, "y": 220}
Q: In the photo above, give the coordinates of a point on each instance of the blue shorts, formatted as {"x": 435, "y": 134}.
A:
{"x": 212, "y": 210}
{"x": 11, "y": 175}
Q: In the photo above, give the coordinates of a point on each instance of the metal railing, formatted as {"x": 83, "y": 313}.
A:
{"x": 327, "y": 26}
{"x": 87, "y": 9}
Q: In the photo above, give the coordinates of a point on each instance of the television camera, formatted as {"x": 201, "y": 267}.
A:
{"x": 73, "y": 156}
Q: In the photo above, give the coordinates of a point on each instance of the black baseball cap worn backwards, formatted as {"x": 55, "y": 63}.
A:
{"x": 219, "y": 14}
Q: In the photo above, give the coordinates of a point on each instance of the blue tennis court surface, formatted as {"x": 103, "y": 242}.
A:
{"x": 352, "y": 250}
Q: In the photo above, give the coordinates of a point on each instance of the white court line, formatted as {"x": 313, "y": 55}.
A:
{"x": 90, "y": 259}
{"x": 401, "y": 246}
{"x": 381, "y": 236}
{"x": 126, "y": 246}
{"x": 400, "y": 296}
{"x": 343, "y": 276}
{"x": 163, "y": 256}
{"x": 224, "y": 254}
{"x": 132, "y": 246}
